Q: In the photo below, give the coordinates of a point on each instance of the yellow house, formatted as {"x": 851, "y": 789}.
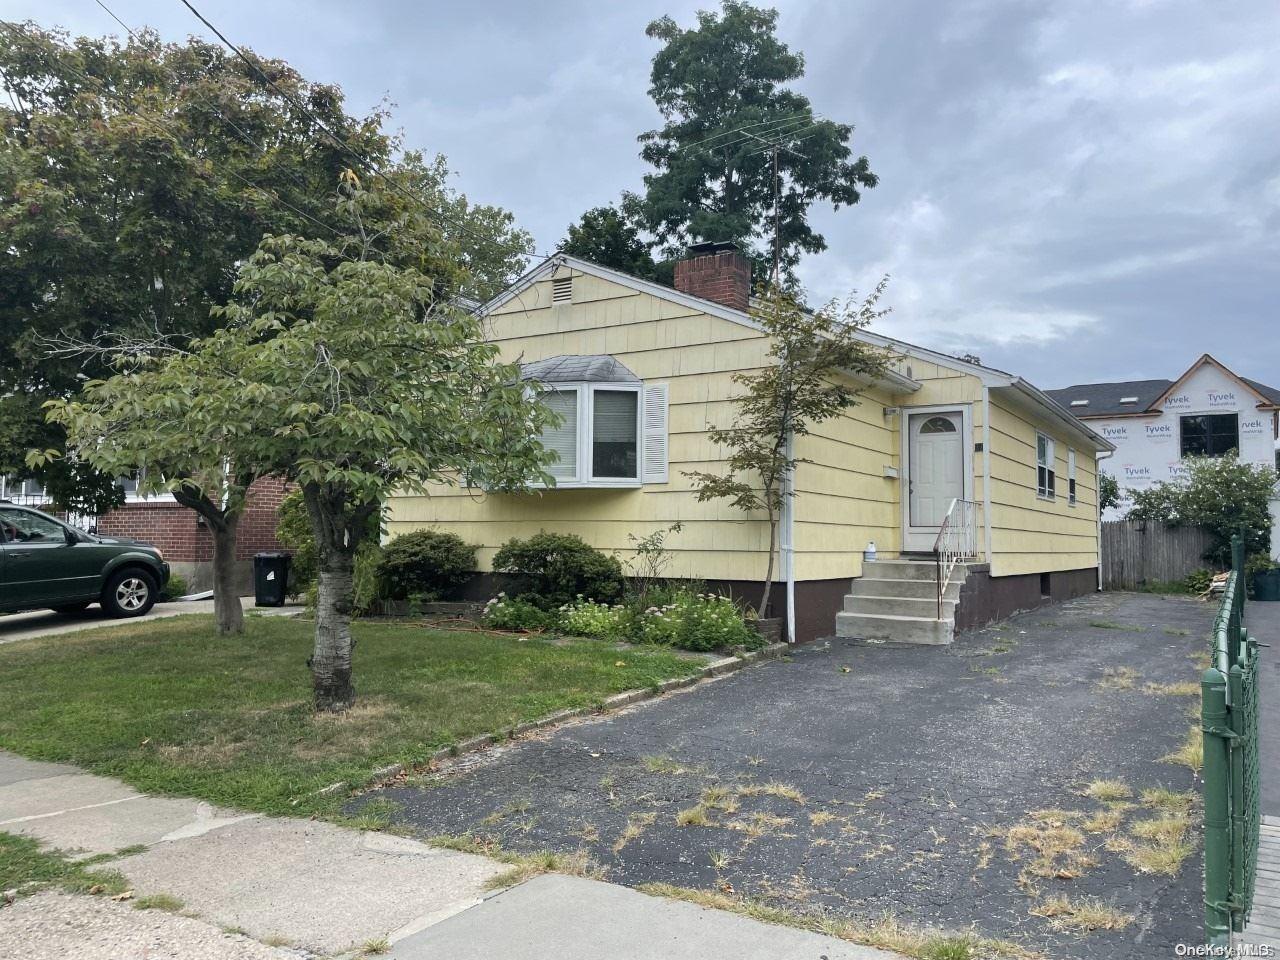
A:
{"x": 941, "y": 462}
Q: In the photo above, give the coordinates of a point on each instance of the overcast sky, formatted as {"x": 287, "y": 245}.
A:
{"x": 1075, "y": 191}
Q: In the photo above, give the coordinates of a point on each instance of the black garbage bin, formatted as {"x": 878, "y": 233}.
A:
{"x": 1266, "y": 584}
{"x": 270, "y": 578}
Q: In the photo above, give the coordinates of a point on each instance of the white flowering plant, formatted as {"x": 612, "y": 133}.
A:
{"x": 697, "y": 621}
{"x": 587, "y": 618}
{"x": 512, "y": 613}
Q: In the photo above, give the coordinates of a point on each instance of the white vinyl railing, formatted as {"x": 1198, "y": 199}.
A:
{"x": 957, "y": 541}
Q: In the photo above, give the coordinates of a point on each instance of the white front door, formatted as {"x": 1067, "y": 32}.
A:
{"x": 935, "y": 474}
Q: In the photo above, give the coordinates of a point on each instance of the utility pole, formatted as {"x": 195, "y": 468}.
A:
{"x": 774, "y": 147}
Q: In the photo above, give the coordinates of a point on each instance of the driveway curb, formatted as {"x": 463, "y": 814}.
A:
{"x": 718, "y": 668}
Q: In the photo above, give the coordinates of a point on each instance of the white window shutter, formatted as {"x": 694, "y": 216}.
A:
{"x": 655, "y": 433}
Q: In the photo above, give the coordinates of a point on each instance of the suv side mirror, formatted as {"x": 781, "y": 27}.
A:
{"x": 70, "y": 535}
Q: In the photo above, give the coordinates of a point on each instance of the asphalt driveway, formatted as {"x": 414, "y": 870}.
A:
{"x": 861, "y": 779}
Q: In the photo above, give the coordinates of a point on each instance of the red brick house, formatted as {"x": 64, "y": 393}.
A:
{"x": 178, "y": 531}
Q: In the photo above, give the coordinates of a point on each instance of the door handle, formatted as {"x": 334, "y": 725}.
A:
{"x": 18, "y": 556}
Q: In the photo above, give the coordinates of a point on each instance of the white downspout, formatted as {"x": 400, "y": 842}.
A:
{"x": 787, "y": 544}
{"x": 986, "y": 475}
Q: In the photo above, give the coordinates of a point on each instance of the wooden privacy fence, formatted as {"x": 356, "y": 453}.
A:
{"x": 1136, "y": 552}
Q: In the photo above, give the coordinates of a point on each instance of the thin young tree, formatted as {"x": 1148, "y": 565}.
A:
{"x": 817, "y": 364}
{"x": 361, "y": 378}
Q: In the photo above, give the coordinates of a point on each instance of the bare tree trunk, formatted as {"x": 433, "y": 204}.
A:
{"x": 768, "y": 572}
{"x": 228, "y": 615}
{"x": 339, "y": 525}
{"x": 224, "y": 523}
{"x": 331, "y": 659}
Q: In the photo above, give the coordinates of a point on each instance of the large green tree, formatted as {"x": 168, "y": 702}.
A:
{"x": 611, "y": 236}
{"x": 354, "y": 377}
{"x": 721, "y": 87}
{"x": 135, "y": 175}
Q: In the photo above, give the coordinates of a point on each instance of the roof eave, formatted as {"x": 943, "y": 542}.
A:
{"x": 1058, "y": 412}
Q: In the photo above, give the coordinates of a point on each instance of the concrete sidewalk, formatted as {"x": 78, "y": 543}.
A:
{"x": 47, "y": 623}
{"x": 314, "y": 885}
{"x": 570, "y": 918}
{"x": 326, "y": 890}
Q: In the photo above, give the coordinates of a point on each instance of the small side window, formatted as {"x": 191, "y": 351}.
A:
{"x": 1046, "y": 476}
{"x": 1071, "y": 478}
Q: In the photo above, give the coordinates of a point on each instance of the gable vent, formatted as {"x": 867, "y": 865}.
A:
{"x": 562, "y": 290}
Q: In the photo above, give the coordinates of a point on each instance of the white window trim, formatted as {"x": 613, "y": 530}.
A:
{"x": 583, "y": 478}
{"x": 1051, "y": 457}
{"x": 1072, "y": 497}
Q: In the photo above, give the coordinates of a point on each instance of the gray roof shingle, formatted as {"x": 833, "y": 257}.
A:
{"x": 1104, "y": 398}
{"x": 597, "y": 368}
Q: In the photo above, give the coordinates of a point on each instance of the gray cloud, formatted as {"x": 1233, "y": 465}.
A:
{"x": 1073, "y": 191}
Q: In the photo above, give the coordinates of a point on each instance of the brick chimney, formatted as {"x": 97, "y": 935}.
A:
{"x": 716, "y": 271}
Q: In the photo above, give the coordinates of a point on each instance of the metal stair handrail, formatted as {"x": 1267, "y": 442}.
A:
{"x": 957, "y": 540}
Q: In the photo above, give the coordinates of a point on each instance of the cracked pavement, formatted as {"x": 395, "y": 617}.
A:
{"x": 861, "y": 779}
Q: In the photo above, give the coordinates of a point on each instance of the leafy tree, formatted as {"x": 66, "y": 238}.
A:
{"x": 167, "y": 417}
{"x": 722, "y": 88}
{"x": 1108, "y": 491}
{"x": 1220, "y": 494}
{"x": 355, "y": 377}
{"x": 609, "y": 236}
{"x": 815, "y": 360}
{"x": 135, "y": 175}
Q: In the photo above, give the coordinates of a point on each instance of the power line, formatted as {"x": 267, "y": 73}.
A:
{"x": 342, "y": 144}
{"x": 245, "y": 136}
{"x": 776, "y": 122}
{"x": 154, "y": 125}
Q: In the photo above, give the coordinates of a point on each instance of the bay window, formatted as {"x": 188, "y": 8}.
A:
{"x": 612, "y": 429}
{"x": 598, "y": 440}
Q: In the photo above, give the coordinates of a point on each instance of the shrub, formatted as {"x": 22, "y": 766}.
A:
{"x": 368, "y": 593}
{"x": 587, "y": 618}
{"x": 293, "y": 530}
{"x": 175, "y": 588}
{"x": 551, "y": 570}
{"x": 426, "y": 564}
{"x": 1198, "y": 581}
{"x": 509, "y": 613}
{"x": 1220, "y": 494}
{"x": 697, "y": 621}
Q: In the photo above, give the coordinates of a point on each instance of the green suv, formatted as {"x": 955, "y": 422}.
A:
{"x": 46, "y": 563}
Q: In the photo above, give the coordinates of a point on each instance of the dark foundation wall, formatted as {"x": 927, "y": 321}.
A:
{"x": 985, "y": 599}
{"x": 817, "y": 601}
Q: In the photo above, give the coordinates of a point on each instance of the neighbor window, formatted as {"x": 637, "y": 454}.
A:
{"x": 598, "y": 439}
{"x": 1071, "y": 478}
{"x": 1210, "y": 434}
{"x": 1046, "y": 478}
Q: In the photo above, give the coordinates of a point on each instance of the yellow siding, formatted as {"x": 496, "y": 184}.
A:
{"x": 843, "y": 497}
{"x": 1031, "y": 534}
{"x": 661, "y": 342}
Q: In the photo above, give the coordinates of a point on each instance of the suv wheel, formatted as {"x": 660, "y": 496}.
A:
{"x": 129, "y": 593}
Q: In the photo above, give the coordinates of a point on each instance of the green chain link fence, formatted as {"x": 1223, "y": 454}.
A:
{"x": 1232, "y": 779}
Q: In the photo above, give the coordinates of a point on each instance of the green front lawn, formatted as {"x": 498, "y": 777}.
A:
{"x": 170, "y": 707}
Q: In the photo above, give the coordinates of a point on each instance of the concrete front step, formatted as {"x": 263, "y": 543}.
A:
{"x": 894, "y": 629}
{"x": 900, "y": 606}
{"x": 900, "y": 570}
{"x": 914, "y": 589}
